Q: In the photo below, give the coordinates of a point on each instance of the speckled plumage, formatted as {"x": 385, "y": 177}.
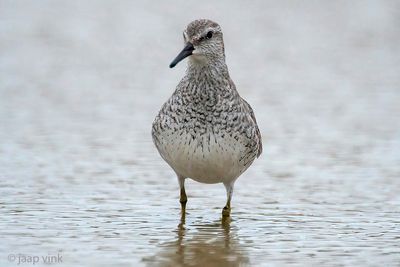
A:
{"x": 206, "y": 131}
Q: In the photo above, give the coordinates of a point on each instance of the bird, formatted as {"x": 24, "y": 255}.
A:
{"x": 206, "y": 131}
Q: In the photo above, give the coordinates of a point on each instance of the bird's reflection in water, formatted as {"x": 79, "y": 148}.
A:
{"x": 206, "y": 244}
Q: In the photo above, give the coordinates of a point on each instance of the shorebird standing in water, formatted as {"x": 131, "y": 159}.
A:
{"x": 206, "y": 131}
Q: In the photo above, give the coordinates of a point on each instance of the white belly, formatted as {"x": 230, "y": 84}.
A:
{"x": 206, "y": 159}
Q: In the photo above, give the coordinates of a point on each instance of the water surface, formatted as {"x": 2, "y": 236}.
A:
{"x": 80, "y": 84}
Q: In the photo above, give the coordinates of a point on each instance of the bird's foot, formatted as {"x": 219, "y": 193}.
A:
{"x": 183, "y": 200}
{"x": 226, "y": 211}
{"x": 183, "y": 205}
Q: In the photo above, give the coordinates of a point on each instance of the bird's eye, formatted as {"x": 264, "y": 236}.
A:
{"x": 209, "y": 35}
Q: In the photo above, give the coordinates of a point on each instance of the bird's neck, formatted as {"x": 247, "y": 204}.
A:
{"x": 205, "y": 83}
{"x": 209, "y": 70}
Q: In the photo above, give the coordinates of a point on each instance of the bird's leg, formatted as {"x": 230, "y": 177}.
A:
{"x": 183, "y": 197}
{"x": 226, "y": 211}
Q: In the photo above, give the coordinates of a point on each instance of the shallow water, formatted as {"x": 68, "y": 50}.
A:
{"x": 80, "y": 84}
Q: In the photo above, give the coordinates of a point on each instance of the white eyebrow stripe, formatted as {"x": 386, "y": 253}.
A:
{"x": 185, "y": 35}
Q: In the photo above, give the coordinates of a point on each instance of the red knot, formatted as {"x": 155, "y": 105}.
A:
{"x": 206, "y": 131}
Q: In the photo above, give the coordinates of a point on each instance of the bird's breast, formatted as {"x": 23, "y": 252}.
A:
{"x": 201, "y": 154}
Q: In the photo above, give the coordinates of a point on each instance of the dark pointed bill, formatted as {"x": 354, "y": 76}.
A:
{"x": 187, "y": 51}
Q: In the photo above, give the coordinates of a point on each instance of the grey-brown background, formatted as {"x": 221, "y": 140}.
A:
{"x": 81, "y": 81}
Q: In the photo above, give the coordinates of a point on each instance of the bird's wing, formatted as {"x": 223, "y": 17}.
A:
{"x": 258, "y": 133}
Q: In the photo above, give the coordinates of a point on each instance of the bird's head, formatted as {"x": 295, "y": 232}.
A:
{"x": 203, "y": 43}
